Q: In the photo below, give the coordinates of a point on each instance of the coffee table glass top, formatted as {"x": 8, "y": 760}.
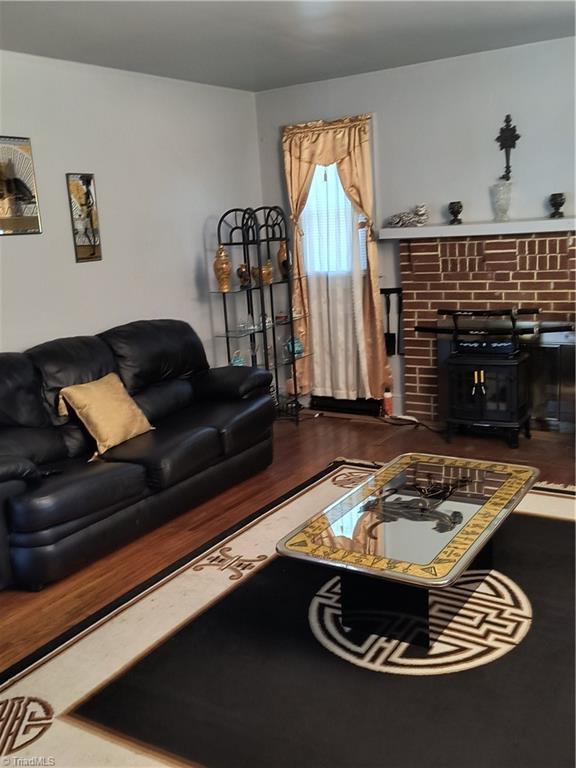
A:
{"x": 421, "y": 519}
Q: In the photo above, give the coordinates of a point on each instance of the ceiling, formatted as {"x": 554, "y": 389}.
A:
{"x": 261, "y": 45}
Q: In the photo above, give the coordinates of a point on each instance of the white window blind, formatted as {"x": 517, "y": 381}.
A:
{"x": 328, "y": 223}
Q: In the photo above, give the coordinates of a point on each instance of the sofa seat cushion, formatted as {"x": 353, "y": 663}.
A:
{"x": 171, "y": 453}
{"x": 240, "y": 424}
{"x": 78, "y": 490}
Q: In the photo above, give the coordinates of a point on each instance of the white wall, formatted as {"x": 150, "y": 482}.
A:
{"x": 434, "y": 129}
{"x": 435, "y": 125}
{"x": 168, "y": 157}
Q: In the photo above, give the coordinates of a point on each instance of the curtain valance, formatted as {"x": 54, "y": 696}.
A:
{"x": 325, "y": 142}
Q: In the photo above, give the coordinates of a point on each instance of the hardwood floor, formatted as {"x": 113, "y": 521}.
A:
{"x": 28, "y": 620}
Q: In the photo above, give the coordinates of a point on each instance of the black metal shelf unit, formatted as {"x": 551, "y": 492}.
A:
{"x": 253, "y": 237}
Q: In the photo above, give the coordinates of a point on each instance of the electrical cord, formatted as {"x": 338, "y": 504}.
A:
{"x": 405, "y": 421}
{"x": 393, "y": 421}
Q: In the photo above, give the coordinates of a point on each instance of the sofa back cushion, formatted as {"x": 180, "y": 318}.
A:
{"x": 150, "y": 352}
{"x": 20, "y": 396}
{"x": 161, "y": 400}
{"x": 65, "y": 362}
{"x": 156, "y": 360}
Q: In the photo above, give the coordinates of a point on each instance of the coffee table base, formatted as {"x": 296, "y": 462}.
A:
{"x": 378, "y": 606}
{"x": 383, "y": 607}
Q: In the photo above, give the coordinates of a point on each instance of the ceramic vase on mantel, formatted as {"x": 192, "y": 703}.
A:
{"x": 557, "y": 200}
{"x": 501, "y": 196}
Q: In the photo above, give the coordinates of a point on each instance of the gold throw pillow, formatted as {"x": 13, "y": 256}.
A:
{"x": 106, "y": 410}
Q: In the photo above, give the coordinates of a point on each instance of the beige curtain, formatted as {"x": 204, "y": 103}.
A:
{"x": 345, "y": 142}
{"x": 298, "y": 179}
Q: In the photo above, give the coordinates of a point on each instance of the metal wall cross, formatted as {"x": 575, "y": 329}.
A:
{"x": 507, "y": 139}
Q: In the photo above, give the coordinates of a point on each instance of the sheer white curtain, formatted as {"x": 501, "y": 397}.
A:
{"x": 334, "y": 250}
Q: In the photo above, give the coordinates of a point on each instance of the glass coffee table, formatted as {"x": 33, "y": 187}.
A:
{"x": 416, "y": 524}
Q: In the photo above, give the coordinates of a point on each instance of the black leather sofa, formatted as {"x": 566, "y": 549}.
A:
{"x": 58, "y": 511}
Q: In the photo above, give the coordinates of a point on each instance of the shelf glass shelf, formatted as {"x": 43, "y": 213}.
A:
{"x": 238, "y": 333}
{"x": 254, "y": 287}
{"x": 287, "y": 321}
{"x": 249, "y": 288}
{"x": 289, "y": 362}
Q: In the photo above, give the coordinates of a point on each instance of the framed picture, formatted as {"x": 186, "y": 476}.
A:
{"x": 84, "y": 212}
{"x": 19, "y": 212}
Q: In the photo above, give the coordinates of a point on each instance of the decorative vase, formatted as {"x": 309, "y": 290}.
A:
{"x": 243, "y": 276}
{"x": 283, "y": 260}
{"x": 222, "y": 269}
{"x": 501, "y": 195}
{"x": 556, "y": 201}
{"x": 455, "y": 209}
{"x": 262, "y": 275}
{"x": 237, "y": 359}
{"x": 293, "y": 348}
{"x": 266, "y": 272}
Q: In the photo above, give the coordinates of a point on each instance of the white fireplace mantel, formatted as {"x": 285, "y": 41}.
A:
{"x": 478, "y": 229}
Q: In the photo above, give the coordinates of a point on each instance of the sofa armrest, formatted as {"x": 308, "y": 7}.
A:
{"x": 18, "y": 468}
{"x": 7, "y": 489}
{"x": 231, "y": 382}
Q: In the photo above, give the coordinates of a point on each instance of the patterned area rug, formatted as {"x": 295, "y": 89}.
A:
{"x": 235, "y": 657}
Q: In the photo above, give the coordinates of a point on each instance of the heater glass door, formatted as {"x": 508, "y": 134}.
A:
{"x": 465, "y": 400}
{"x": 500, "y": 403}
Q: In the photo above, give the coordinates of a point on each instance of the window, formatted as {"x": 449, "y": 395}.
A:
{"x": 329, "y": 223}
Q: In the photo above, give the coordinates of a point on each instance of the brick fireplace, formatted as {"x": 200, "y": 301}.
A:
{"x": 486, "y": 272}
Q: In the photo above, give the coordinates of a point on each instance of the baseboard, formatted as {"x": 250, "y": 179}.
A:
{"x": 360, "y": 406}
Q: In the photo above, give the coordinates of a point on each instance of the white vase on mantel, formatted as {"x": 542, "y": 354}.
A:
{"x": 501, "y": 196}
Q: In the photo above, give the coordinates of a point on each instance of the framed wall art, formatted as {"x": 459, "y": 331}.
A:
{"x": 19, "y": 212}
{"x": 84, "y": 213}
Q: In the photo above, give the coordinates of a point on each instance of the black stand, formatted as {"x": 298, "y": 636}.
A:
{"x": 484, "y": 559}
{"x": 371, "y": 605}
{"x": 376, "y": 606}
{"x": 254, "y": 237}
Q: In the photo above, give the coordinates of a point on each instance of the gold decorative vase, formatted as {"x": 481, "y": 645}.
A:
{"x": 267, "y": 273}
{"x": 222, "y": 269}
{"x": 283, "y": 260}
{"x": 262, "y": 275}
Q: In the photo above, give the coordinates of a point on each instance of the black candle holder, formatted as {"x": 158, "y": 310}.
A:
{"x": 556, "y": 201}
{"x": 455, "y": 209}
